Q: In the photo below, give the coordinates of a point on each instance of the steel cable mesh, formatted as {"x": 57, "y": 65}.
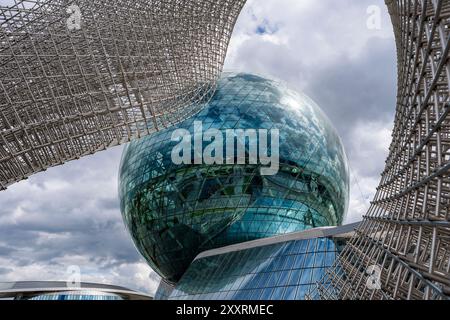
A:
{"x": 406, "y": 233}
{"x": 130, "y": 69}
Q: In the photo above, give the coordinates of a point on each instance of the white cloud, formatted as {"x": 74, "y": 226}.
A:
{"x": 325, "y": 49}
{"x": 311, "y": 32}
{"x": 369, "y": 149}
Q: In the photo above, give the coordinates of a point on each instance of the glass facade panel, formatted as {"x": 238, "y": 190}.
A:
{"x": 286, "y": 271}
{"x": 82, "y": 296}
{"x": 164, "y": 290}
{"x": 174, "y": 212}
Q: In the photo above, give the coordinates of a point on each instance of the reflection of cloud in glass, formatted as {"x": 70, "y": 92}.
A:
{"x": 175, "y": 212}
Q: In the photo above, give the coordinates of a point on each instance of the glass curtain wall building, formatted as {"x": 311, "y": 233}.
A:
{"x": 175, "y": 211}
{"x": 76, "y": 296}
{"x": 70, "y": 92}
{"x": 280, "y": 268}
{"x": 59, "y": 290}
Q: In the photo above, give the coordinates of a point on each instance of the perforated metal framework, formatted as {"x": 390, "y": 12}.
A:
{"x": 406, "y": 232}
{"x": 132, "y": 68}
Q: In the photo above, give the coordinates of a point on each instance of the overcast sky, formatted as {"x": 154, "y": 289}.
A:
{"x": 70, "y": 215}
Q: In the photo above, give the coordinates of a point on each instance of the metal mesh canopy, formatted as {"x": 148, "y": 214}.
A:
{"x": 77, "y": 77}
{"x": 406, "y": 233}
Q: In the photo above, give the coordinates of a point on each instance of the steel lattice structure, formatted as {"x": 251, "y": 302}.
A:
{"x": 129, "y": 69}
{"x": 135, "y": 67}
{"x": 406, "y": 233}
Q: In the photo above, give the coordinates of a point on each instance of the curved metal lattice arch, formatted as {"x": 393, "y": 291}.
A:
{"x": 402, "y": 249}
{"x": 78, "y": 77}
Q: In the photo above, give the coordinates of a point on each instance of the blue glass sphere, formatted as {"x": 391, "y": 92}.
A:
{"x": 175, "y": 210}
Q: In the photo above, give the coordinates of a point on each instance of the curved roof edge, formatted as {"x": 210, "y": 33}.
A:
{"x": 36, "y": 288}
{"x": 346, "y": 231}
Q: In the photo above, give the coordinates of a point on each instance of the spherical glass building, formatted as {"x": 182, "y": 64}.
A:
{"x": 174, "y": 210}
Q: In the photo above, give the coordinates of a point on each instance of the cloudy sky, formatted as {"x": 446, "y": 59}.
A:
{"x": 340, "y": 53}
